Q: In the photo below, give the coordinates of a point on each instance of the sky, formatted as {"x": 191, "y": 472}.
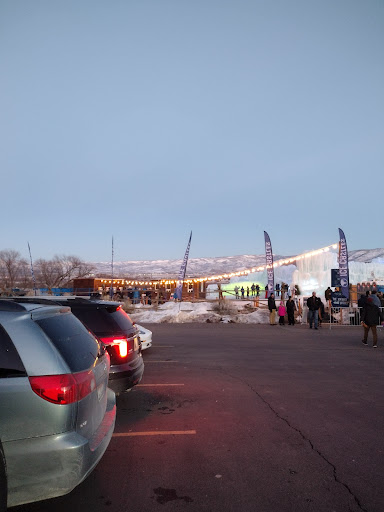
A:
{"x": 146, "y": 119}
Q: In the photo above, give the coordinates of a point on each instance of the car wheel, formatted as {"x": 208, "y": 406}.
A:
{"x": 3, "y": 482}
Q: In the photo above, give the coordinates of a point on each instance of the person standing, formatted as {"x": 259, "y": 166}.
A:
{"x": 370, "y": 318}
{"x": 313, "y": 304}
{"x": 362, "y": 300}
{"x": 253, "y": 288}
{"x": 375, "y": 298}
{"x": 321, "y": 312}
{"x": 272, "y": 309}
{"x": 328, "y": 294}
{"x": 282, "y": 313}
{"x": 257, "y": 290}
{"x": 242, "y": 292}
{"x": 247, "y": 292}
{"x": 236, "y": 289}
{"x": 291, "y": 307}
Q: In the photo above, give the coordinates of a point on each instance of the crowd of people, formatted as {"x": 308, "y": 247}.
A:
{"x": 250, "y": 292}
{"x": 370, "y": 306}
{"x": 286, "y": 308}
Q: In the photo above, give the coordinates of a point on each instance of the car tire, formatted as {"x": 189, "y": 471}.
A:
{"x": 3, "y": 481}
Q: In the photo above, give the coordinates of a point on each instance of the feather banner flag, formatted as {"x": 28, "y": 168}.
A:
{"x": 183, "y": 269}
{"x": 269, "y": 264}
{"x": 343, "y": 265}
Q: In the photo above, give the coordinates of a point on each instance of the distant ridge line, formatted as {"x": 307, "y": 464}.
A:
{"x": 168, "y": 269}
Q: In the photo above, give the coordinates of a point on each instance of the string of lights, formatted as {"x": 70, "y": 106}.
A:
{"x": 277, "y": 263}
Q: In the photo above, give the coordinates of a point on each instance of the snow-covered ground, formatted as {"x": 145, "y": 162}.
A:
{"x": 186, "y": 312}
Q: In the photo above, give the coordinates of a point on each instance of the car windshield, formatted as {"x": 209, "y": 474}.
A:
{"x": 103, "y": 321}
{"x": 77, "y": 346}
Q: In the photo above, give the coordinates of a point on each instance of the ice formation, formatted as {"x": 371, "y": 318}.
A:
{"x": 310, "y": 274}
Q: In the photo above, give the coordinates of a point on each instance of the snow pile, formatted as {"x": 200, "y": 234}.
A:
{"x": 187, "y": 312}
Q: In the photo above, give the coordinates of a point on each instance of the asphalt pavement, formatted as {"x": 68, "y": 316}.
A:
{"x": 245, "y": 418}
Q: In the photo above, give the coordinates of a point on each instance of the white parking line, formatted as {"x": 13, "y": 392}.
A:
{"x": 146, "y": 362}
{"x": 155, "y": 433}
{"x": 156, "y": 385}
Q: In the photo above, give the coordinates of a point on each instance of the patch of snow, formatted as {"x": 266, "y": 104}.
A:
{"x": 187, "y": 312}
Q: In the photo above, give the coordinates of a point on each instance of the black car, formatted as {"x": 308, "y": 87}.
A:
{"x": 111, "y": 324}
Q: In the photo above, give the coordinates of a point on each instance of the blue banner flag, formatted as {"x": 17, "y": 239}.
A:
{"x": 269, "y": 263}
{"x": 343, "y": 265}
{"x": 183, "y": 269}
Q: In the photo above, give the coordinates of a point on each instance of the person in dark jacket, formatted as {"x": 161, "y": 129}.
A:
{"x": 362, "y": 300}
{"x": 328, "y": 294}
{"x": 291, "y": 306}
{"x": 370, "y": 318}
{"x": 313, "y": 304}
{"x": 272, "y": 308}
{"x": 375, "y": 298}
{"x": 321, "y": 312}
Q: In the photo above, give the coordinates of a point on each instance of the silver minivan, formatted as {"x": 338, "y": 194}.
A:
{"x": 57, "y": 414}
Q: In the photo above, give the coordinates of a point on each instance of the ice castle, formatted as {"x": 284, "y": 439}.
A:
{"x": 312, "y": 272}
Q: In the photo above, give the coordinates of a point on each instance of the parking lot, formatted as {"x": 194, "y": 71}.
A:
{"x": 245, "y": 418}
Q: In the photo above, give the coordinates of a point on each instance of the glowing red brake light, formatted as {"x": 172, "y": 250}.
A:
{"x": 64, "y": 389}
{"x": 117, "y": 346}
{"x": 123, "y": 347}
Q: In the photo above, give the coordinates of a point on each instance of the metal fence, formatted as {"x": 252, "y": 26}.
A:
{"x": 338, "y": 316}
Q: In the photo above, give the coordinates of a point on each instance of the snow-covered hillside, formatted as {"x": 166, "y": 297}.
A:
{"x": 366, "y": 255}
{"x": 155, "y": 269}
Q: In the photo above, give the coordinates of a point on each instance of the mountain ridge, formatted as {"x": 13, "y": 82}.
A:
{"x": 153, "y": 269}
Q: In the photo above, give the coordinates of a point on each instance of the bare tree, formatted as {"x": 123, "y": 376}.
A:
{"x": 60, "y": 271}
{"x": 48, "y": 273}
{"x": 12, "y": 268}
{"x": 72, "y": 268}
{"x": 25, "y": 277}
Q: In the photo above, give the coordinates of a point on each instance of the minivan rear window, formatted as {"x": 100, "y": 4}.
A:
{"x": 10, "y": 362}
{"x": 78, "y": 347}
{"x": 105, "y": 320}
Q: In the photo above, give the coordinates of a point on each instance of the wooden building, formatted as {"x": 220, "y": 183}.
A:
{"x": 135, "y": 288}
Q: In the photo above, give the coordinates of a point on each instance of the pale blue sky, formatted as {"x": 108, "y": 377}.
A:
{"x": 146, "y": 119}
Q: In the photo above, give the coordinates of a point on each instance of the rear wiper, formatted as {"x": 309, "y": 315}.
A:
{"x": 5, "y": 373}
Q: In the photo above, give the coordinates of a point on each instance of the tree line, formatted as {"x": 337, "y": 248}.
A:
{"x": 58, "y": 272}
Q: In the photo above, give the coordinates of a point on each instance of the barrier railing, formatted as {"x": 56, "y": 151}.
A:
{"x": 350, "y": 316}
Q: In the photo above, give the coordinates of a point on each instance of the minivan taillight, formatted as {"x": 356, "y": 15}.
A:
{"x": 64, "y": 389}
